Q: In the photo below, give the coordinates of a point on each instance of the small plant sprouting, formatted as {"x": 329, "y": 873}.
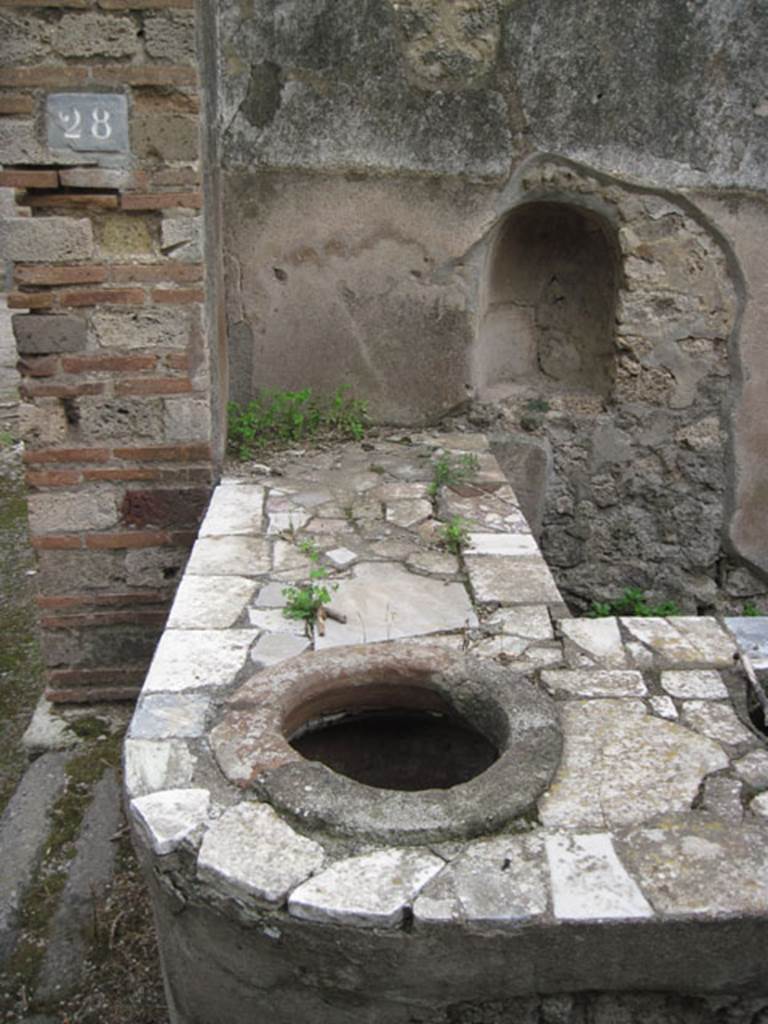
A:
{"x": 306, "y": 602}
{"x": 279, "y": 418}
{"x": 750, "y": 610}
{"x": 632, "y": 602}
{"x": 452, "y": 471}
{"x": 454, "y": 535}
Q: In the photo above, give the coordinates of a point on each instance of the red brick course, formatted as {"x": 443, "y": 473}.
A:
{"x": 166, "y": 453}
{"x": 16, "y": 103}
{"x": 144, "y": 5}
{"x": 177, "y": 295}
{"x": 161, "y": 200}
{"x": 128, "y": 539}
{"x": 29, "y": 179}
{"x": 87, "y": 599}
{"x": 57, "y": 541}
{"x": 107, "y": 364}
{"x": 53, "y": 478}
{"x": 121, "y": 474}
{"x": 44, "y": 76}
{"x": 54, "y": 273}
{"x": 153, "y": 386}
{"x": 30, "y": 300}
{"x": 38, "y": 366}
{"x": 46, "y": 3}
{"x": 103, "y": 296}
{"x": 133, "y": 617}
{"x": 132, "y": 74}
{"x": 150, "y": 273}
{"x": 63, "y": 199}
{"x": 29, "y": 389}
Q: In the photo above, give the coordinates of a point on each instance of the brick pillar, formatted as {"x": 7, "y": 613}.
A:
{"x": 108, "y": 285}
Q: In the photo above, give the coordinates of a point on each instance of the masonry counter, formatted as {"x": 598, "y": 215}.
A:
{"x": 450, "y": 802}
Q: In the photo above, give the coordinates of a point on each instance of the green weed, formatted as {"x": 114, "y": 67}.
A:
{"x": 304, "y": 602}
{"x": 279, "y": 418}
{"x": 632, "y": 602}
{"x": 447, "y": 470}
{"x": 454, "y": 535}
{"x": 750, "y": 610}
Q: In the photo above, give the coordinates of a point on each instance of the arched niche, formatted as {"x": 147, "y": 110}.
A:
{"x": 549, "y": 314}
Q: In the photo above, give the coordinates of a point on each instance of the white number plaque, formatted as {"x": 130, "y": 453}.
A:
{"x": 88, "y": 122}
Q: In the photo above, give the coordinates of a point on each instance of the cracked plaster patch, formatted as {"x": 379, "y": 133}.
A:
{"x": 229, "y": 556}
{"x": 595, "y": 683}
{"x": 529, "y": 622}
{"x": 496, "y": 883}
{"x": 170, "y": 817}
{"x": 622, "y": 766}
{"x": 209, "y": 602}
{"x": 160, "y": 716}
{"x": 372, "y": 890}
{"x": 250, "y": 849}
{"x": 589, "y": 881}
{"x": 273, "y": 648}
{"x": 704, "y": 684}
{"x": 683, "y": 640}
{"x": 593, "y": 641}
{"x": 188, "y": 659}
{"x": 151, "y": 765}
{"x": 383, "y": 601}
{"x": 700, "y": 867}
{"x": 511, "y": 581}
{"x": 716, "y": 720}
{"x": 235, "y": 508}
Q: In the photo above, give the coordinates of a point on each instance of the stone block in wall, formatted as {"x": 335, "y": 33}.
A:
{"x": 97, "y": 35}
{"x": 61, "y": 571}
{"x": 96, "y": 177}
{"x": 19, "y": 144}
{"x": 166, "y": 137}
{"x": 182, "y": 236}
{"x": 46, "y": 239}
{"x": 121, "y": 235}
{"x": 155, "y": 567}
{"x": 25, "y": 38}
{"x": 170, "y": 35}
{"x": 119, "y": 419}
{"x": 186, "y": 419}
{"x": 39, "y": 335}
{"x": 146, "y": 328}
{"x": 43, "y": 422}
{"x": 73, "y": 511}
{"x": 165, "y": 506}
{"x": 113, "y": 645}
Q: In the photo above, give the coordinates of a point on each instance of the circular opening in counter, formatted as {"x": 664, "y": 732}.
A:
{"x": 397, "y": 743}
{"x": 397, "y": 748}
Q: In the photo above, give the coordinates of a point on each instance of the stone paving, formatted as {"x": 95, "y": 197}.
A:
{"x": 658, "y": 809}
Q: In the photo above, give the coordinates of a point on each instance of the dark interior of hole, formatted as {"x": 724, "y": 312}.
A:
{"x": 404, "y": 750}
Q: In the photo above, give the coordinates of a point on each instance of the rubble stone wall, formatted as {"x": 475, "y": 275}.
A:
{"x": 639, "y": 449}
{"x": 104, "y": 260}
